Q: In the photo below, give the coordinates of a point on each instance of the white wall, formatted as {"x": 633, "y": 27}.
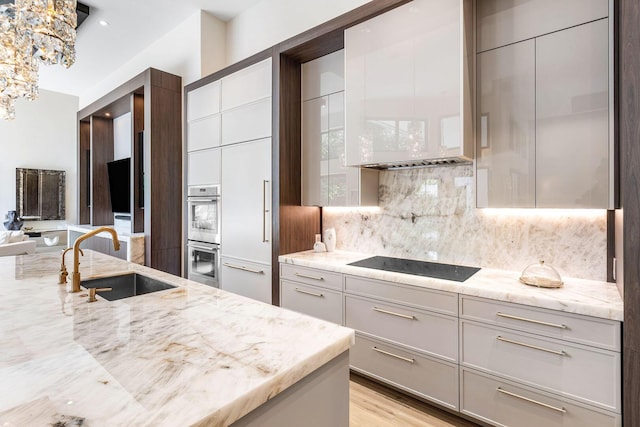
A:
{"x": 273, "y": 21}
{"x": 177, "y": 52}
{"x": 42, "y": 136}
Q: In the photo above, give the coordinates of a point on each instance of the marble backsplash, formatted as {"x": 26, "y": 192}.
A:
{"x": 429, "y": 214}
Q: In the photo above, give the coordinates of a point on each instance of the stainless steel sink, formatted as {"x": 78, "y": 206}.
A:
{"x": 126, "y": 285}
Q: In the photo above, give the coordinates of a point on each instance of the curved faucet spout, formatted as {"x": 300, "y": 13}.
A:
{"x": 76, "y": 249}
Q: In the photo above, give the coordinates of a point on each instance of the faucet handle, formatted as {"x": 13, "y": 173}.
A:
{"x": 92, "y": 293}
{"x": 62, "y": 278}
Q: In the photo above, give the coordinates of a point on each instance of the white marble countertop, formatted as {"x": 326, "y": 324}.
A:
{"x": 189, "y": 355}
{"x": 579, "y": 296}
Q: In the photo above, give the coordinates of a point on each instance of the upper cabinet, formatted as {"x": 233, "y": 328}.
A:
{"x": 409, "y": 75}
{"x": 326, "y": 181}
{"x": 544, "y": 104}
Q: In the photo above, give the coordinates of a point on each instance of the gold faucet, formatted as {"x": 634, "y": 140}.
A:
{"x": 76, "y": 249}
{"x": 62, "y": 279}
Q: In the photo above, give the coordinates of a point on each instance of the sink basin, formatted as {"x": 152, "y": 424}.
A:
{"x": 126, "y": 285}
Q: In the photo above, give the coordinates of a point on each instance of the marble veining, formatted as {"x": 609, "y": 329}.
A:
{"x": 183, "y": 356}
{"x": 429, "y": 214}
{"x": 578, "y": 296}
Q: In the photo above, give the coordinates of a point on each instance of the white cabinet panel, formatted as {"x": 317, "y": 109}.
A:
{"x": 506, "y": 127}
{"x": 203, "y": 133}
{"x": 247, "y": 85}
{"x": 203, "y": 167}
{"x": 429, "y": 332}
{"x": 249, "y": 279}
{"x": 247, "y": 123}
{"x": 501, "y": 22}
{"x": 553, "y": 365}
{"x": 323, "y": 76}
{"x": 572, "y": 117}
{"x": 416, "y": 373}
{"x": 246, "y": 201}
{"x": 203, "y": 101}
{"x": 504, "y": 403}
{"x": 314, "y": 301}
{"x": 311, "y": 276}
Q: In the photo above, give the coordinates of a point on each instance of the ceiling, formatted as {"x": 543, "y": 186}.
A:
{"x": 133, "y": 25}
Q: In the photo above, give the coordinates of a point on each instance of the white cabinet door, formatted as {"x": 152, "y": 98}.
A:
{"x": 250, "y": 279}
{"x": 506, "y": 127}
{"x": 502, "y": 22}
{"x": 203, "y": 167}
{"x": 247, "y": 85}
{"x": 203, "y": 133}
{"x": 247, "y": 123}
{"x": 572, "y": 117}
{"x": 203, "y": 101}
{"x": 323, "y": 76}
{"x": 246, "y": 201}
{"x": 315, "y": 124}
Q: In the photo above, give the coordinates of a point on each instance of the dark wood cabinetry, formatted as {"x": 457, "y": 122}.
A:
{"x": 154, "y": 100}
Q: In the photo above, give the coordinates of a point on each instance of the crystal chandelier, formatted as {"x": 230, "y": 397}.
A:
{"x": 32, "y": 32}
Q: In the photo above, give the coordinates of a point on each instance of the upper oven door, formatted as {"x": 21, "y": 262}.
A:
{"x": 204, "y": 219}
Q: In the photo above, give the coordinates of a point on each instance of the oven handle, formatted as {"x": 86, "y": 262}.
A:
{"x": 202, "y": 199}
{"x": 202, "y": 248}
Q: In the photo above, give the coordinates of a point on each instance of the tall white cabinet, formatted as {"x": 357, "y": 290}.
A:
{"x": 544, "y": 128}
{"x": 245, "y": 178}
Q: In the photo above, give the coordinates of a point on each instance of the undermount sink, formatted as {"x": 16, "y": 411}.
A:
{"x": 126, "y": 285}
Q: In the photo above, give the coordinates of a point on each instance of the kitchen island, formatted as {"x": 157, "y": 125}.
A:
{"x": 191, "y": 355}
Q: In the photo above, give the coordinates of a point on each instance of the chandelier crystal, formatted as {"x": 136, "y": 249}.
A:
{"x": 32, "y": 32}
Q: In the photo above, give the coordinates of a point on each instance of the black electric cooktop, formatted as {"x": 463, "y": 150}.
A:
{"x": 457, "y": 273}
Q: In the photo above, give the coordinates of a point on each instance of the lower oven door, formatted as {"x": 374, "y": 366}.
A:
{"x": 204, "y": 263}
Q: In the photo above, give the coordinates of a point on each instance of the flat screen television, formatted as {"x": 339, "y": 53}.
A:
{"x": 120, "y": 185}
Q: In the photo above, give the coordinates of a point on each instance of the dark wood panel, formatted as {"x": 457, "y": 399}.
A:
{"x": 628, "y": 61}
{"x": 328, "y": 37}
{"x": 84, "y": 179}
{"x": 165, "y": 260}
{"x": 165, "y": 80}
{"x": 165, "y": 151}
{"x": 101, "y": 153}
{"x": 611, "y": 244}
{"x": 137, "y": 108}
{"x": 630, "y": 387}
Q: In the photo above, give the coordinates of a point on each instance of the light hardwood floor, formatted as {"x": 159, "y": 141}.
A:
{"x": 372, "y": 404}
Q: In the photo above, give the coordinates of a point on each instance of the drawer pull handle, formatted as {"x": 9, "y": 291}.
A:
{"x": 538, "y": 322}
{"x": 406, "y": 359}
{"x": 562, "y": 410}
{"x": 308, "y": 277}
{"x": 559, "y": 353}
{"x": 243, "y": 268}
{"x": 404, "y": 316}
{"x": 302, "y": 291}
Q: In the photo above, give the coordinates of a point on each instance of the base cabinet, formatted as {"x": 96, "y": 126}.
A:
{"x": 246, "y": 278}
{"x": 504, "y": 403}
{"x": 502, "y": 363}
{"x": 414, "y": 372}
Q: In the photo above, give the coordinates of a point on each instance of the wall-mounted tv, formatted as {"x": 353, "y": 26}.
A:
{"x": 120, "y": 185}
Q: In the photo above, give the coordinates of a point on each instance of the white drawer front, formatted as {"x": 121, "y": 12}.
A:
{"x": 249, "y": 279}
{"x": 586, "y": 373}
{"x": 442, "y": 302}
{"x": 247, "y": 123}
{"x": 311, "y": 276}
{"x": 504, "y": 403}
{"x": 317, "y": 302}
{"x": 429, "y": 378}
{"x": 582, "y": 329}
{"x": 430, "y": 332}
{"x": 204, "y": 133}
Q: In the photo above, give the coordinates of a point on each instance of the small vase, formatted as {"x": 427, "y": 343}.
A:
{"x": 318, "y": 246}
{"x": 330, "y": 239}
